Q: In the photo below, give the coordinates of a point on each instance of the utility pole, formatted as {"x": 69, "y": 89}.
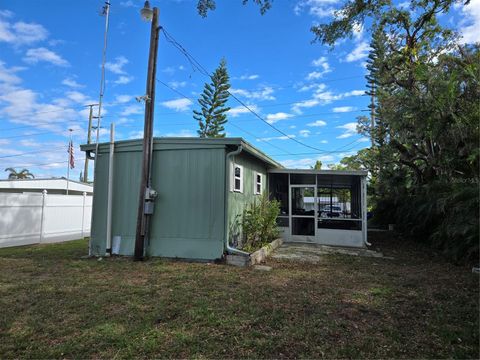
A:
{"x": 89, "y": 141}
{"x": 147, "y": 194}
{"x": 69, "y": 162}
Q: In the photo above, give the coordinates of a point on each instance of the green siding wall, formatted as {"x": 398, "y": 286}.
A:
{"x": 238, "y": 201}
{"x": 188, "y": 220}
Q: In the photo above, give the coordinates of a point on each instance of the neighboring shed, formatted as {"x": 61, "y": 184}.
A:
{"x": 52, "y": 185}
{"x": 196, "y": 180}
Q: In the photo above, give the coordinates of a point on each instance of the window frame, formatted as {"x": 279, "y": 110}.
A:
{"x": 240, "y": 178}
{"x": 256, "y": 183}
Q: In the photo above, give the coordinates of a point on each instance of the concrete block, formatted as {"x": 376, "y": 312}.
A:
{"x": 238, "y": 260}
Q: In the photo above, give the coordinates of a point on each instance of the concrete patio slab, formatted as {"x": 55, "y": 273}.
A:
{"x": 313, "y": 253}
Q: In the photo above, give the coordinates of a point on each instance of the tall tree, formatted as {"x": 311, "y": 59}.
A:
{"x": 23, "y": 174}
{"x": 212, "y": 115}
{"x": 317, "y": 166}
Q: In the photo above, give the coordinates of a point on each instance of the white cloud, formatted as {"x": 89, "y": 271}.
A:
{"x": 323, "y": 142}
{"x": 136, "y": 109}
{"x": 116, "y": 67}
{"x": 321, "y": 96}
{"x": 276, "y": 138}
{"x": 123, "y": 79}
{"x": 273, "y": 118}
{"x": 304, "y": 133}
{"x": 239, "y": 110}
{"x": 249, "y": 77}
{"x": 297, "y": 107}
{"x": 177, "y": 84}
{"x": 470, "y": 25}
{"x": 181, "y": 133}
{"x": 20, "y": 33}
{"x": 72, "y": 83}
{"x": 324, "y": 68}
{"x": 360, "y": 52}
{"x": 354, "y": 93}
{"x": 318, "y": 8}
{"x": 121, "y": 99}
{"x": 34, "y": 56}
{"x": 314, "y": 75}
{"x": 264, "y": 93}
{"x": 7, "y": 75}
{"x": 317, "y": 123}
{"x": 78, "y": 97}
{"x": 178, "y": 104}
{"x": 343, "y": 109}
{"x": 128, "y": 3}
{"x": 306, "y": 163}
{"x": 350, "y": 130}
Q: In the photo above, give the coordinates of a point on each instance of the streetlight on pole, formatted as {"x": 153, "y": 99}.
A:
{"x": 147, "y": 194}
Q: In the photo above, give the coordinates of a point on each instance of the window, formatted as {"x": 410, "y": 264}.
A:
{"x": 237, "y": 178}
{"x": 257, "y": 184}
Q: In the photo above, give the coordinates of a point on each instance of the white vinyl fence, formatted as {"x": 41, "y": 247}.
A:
{"x": 41, "y": 218}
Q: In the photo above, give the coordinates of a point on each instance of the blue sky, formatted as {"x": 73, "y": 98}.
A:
{"x": 50, "y": 69}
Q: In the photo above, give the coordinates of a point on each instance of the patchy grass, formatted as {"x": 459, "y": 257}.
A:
{"x": 57, "y": 304}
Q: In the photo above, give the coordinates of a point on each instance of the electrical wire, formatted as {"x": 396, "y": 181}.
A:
{"x": 32, "y": 152}
{"x": 196, "y": 65}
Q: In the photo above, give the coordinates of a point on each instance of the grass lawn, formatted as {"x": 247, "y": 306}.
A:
{"x": 54, "y": 303}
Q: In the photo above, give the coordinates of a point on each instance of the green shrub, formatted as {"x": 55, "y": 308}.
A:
{"x": 259, "y": 224}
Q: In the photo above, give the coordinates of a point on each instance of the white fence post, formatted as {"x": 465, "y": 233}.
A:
{"x": 83, "y": 213}
{"x": 42, "y": 218}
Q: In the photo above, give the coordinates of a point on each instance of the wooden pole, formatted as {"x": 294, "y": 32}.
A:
{"x": 89, "y": 140}
{"x": 145, "y": 181}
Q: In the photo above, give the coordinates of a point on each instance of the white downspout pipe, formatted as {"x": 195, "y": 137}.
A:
{"x": 228, "y": 248}
{"x": 108, "y": 247}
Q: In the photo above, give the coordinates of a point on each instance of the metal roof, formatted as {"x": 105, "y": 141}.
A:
{"x": 321, "y": 172}
{"x": 247, "y": 147}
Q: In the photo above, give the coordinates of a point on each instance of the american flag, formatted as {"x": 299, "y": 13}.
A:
{"x": 71, "y": 157}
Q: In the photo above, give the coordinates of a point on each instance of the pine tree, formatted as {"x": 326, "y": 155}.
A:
{"x": 212, "y": 115}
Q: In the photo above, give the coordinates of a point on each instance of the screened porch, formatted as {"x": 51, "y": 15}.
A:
{"x": 321, "y": 206}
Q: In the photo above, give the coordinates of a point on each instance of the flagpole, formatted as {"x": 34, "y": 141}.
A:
{"x": 69, "y": 157}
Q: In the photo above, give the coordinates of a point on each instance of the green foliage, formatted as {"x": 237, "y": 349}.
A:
{"x": 317, "y": 166}
{"x": 212, "y": 115}
{"x": 424, "y": 161}
{"x": 383, "y": 13}
{"x": 23, "y": 174}
{"x": 204, "y": 6}
{"x": 259, "y": 224}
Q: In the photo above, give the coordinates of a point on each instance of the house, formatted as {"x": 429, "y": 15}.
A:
{"x": 52, "y": 185}
{"x": 203, "y": 185}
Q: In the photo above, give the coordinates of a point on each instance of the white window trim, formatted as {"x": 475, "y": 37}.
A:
{"x": 240, "y": 178}
{"x": 255, "y": 183}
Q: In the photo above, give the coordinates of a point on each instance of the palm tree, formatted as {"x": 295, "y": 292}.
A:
{"x": 24, "y": 174}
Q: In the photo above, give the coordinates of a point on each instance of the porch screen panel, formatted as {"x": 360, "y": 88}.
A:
{"x": 339, "y": 204}
{"x": 278, "y": 190}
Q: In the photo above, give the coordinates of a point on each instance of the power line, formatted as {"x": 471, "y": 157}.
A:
{"x": 31, "y": 152}
{"x": 202, "y": 70}
{"x": 26, "y": 135}
{"x": 46, "y": 164}
{"x": 230, "y": 123}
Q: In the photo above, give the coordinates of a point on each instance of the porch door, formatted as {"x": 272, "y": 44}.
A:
{"x": 303, "y": 210}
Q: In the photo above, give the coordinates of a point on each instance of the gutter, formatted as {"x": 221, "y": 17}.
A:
{"x": 228, "y": 248}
